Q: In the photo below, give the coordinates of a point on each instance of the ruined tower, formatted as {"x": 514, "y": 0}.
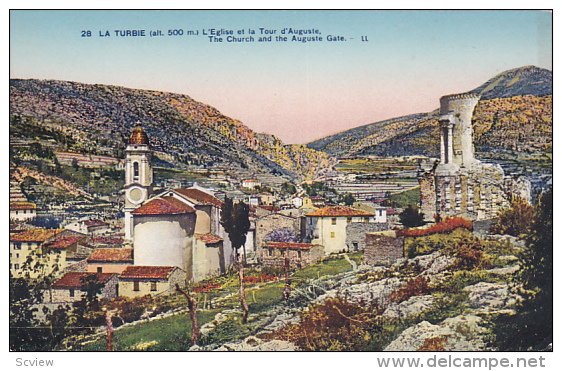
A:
{"x": 459, "y": 184}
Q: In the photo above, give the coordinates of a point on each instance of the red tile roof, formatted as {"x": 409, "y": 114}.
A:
{"x": 94, "y": 223}
{"x": 164, "y": 206}
{"x": 208, "y": 238}
{"x": 289, "y": 245}
{"x": 335, "y": 211}
{"x": 22, "y": 205}
{"x": 147, "y": 272}
{"x": 108, "y": 255}
{"x": 72, "y": 280}
{"x": 199, "y": 196}
{"x": 64, "y": 242}
{"x": 34, "y": 235}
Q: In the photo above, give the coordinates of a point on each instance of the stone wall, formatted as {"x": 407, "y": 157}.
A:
{"x": 383, "y": 248}
{"x": 267, "y": 224}
{"x": 296, "y": 260}
{"x": 355, "y": 234}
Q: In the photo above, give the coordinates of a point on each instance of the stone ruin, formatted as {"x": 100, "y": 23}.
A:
{"x": 458, "y": 184}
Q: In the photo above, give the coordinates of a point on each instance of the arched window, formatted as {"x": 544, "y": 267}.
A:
{"x": 135, "y": 170}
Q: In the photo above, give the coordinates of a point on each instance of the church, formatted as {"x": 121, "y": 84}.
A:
{"x": 171, "y": 227}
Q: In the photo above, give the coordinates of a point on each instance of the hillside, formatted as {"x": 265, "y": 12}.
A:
{"x": 527, "y": 80}
{"x": 515, "y": 114}
{"x": 97, "y": 119}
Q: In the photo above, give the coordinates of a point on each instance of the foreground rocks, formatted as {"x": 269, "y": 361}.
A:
{"x": 461, "y": 333}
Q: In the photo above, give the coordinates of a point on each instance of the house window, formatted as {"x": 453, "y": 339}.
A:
{"x": 355, "y": 246}
{"x": 17, "y": 245}
{"x": 17, "y": 255}
{"x": 270, "y": 252}
{"x": 299, "y": 255}
{"x": 334, "y": 221}
{"x": 71, "y": 293}
{"x": 380, "y": 212}
{"x": 100, "y": 269}
{"x": 332, "y": 234}
{"x": 136, "y": 286}
{"x": 366, "y": 220}
{"x": 349, "y": 220}
{"x": 16, "y": 266}
{"x": 282, "y": 252}
{"x": 153, "y": 286}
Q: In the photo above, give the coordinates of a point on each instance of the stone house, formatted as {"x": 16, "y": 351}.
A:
{"x": 355, "y": 234}
{"x": 274, "y": 254}
{"x": 144, "y": 280}
{"x": 383, "y": 247}
{"x": 68, "y": 288}
{"x": 109, "y": 260}
{"x": 269, "y": 223}
{"x": 328, "y": 226}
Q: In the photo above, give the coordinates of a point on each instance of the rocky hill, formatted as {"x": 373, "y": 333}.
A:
{"x": 527, "y": 80}
{"x": 97, "y": 119}
{"x": 514, "y": 114}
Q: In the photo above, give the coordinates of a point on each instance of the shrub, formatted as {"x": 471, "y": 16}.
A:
{"x": 446, "y": 226}
{"x": 428, "y": 244}
{"x": 414, "y": 287}
{"x": 515, "y": 221}
{"x": 470, "y": 256}
{"x": 335, "y": 324}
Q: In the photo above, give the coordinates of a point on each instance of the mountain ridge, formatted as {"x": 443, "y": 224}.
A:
{"x": 99, "y": 118}
{"x": 416, "y": 134}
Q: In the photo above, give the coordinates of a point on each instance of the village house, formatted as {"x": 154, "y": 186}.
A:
{"x": 273, "y": 222}
{"x": 69, "y": 288}
{"x": 89, "y": 226}
{"x": 29, "y": 245}
{"x": 328, "y": 226}
{"x": 144, "y": 280}
{"x": 297, "y": 201}
{"x": 76, "y": 247}
{"x": 22, "y": 211}
{"x": 298, "y": 255}
{"x": 109, "y": 260}
{"x": 251, "y": 183}
{"x": 267, "y": 199}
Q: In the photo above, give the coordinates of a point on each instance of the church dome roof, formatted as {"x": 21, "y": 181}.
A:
{"x": 138, "y": 135}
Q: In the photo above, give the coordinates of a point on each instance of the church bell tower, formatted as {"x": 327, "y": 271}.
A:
{"x": 138, "y": 175}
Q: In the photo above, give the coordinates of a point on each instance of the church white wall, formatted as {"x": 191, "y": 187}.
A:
{"x": 164, "y": 240}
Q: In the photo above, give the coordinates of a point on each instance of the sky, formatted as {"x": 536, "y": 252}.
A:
{"x": 297, "y": 91}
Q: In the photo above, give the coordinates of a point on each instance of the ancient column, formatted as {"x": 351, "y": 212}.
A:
{"x": 450, "y": 143}
{"x": 442, "y": 131}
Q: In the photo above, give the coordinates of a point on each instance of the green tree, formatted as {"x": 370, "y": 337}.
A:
{"x": 531, "y": 327}
{"x": 411, "y": 217}
{"x": 288, "y": 188}
{"x": 235, "y": 219}
{"x": 347, "y": 199}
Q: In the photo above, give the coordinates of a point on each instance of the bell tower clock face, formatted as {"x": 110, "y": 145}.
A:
{"x": 136, "y": 195}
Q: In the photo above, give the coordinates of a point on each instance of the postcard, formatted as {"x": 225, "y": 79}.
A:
{"x": 281, "y": 180}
